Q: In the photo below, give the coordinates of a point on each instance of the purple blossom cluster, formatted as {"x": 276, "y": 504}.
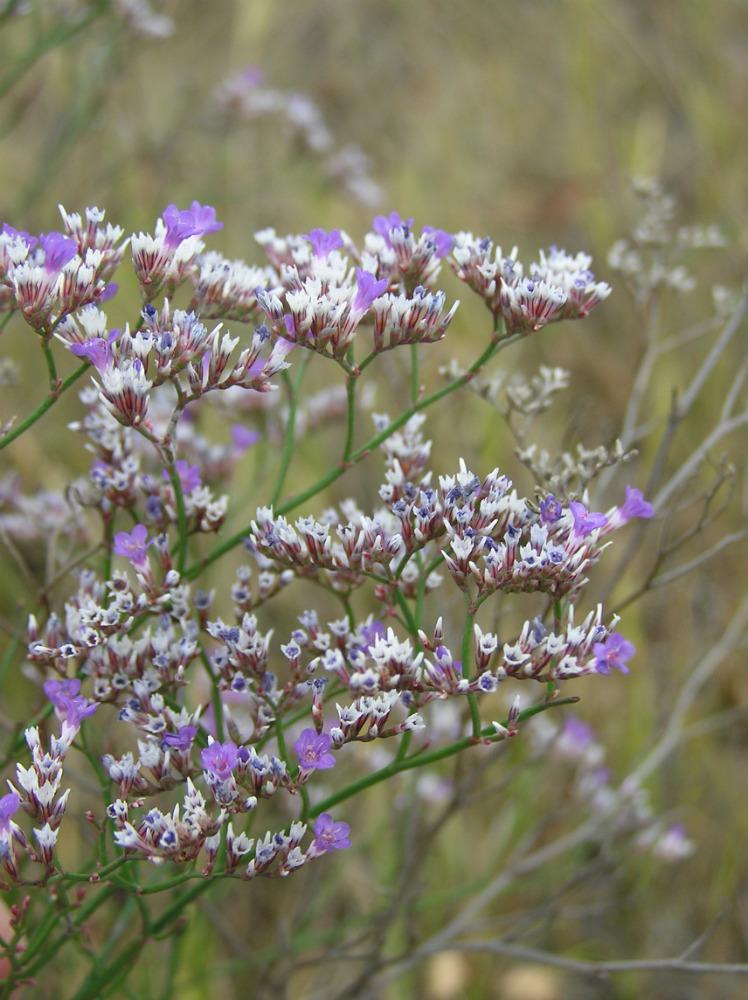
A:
{"x": 558, "y": 286}
{"x": 202, "y": 707}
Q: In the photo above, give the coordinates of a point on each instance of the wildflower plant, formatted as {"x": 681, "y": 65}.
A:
{"x": 214, "y": 724}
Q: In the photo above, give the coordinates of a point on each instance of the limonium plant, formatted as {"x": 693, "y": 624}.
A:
{"x": 211, "y": 724}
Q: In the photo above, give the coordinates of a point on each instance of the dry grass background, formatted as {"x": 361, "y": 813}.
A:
{"x": 521, "y": 120}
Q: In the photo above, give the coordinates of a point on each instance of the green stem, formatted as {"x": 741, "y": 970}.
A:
{"x": 176, "y": 485}
{"x": 423, "y": 759}
{"x": 293, "y": 397}
{"x": 472, "y": 698}
{"x": 45, "y": 405}
{"x": 350, "y": 390}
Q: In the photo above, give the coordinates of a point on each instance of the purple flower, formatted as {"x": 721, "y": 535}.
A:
{"x": 585, "y": 521}
{"x": 323, "y": 243}
{"x": 133, "y": 546}
{"x": 330, "y": 836}
{"x": 368, "y": 290}
{"x": 97, "y": 350}
{"x": 9, "y": 804}
{"x": 182, "y": 739}
{"x": 189, "y": 476}
{"x": 442, "y": 241}
{"x": 77, "y": 709}
{"x": 370, "y": 633}
{"x": 179, "y": 226}
{"x": 243, "y": 437}
{"x": 578, "y": 732}
{"x": 384, "y": 224}
{"x": 58, "y": 250}
{"x": 198, "y": 221}
{"x": 220, "y": 759}
{"x": 29, "y": 240}
{"x": 205, "y": 219}
{"x": 613, "y": 653}
{"x": 56, "y": 691}
{"x": 70, "y": 706}
{"x": 634, "y": 505}
{"x": 551, "y": 510}
{"x": 314, "y": 751}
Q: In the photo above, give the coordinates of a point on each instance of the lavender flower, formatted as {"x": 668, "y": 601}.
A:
{"x": 189, "y": 476}
{"x": 585, "y": 521}
{"x": 58, "y": 250}
{"x": 182, "y": 739}
{"x": 384, "y": 224}
{"x": 97, "y": 350}
{"x": 550, "y": 510}
{"x": 243, "y": 437}
{"x": 614, "y": 652}
{"x": 314, "y": 751}
{"x": 9, "y": 804}
{"x": 133, "y": 545}
{"x": 633, "y": 506}
{"x": 330, "y": 836}
{"x": 368, "y": 290}
{"x": 323, "y": 242}
{"x": 56, "y": 690}
{"x": 220, "y": 759}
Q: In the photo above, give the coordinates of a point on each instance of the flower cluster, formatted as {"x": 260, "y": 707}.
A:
{"x": 556, "y": 287}
{"x": 210, "y": 720}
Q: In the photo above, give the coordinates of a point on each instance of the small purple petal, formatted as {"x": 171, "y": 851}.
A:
{"x": 442, "y": 241}
{"x": 550, "y": 510}
{"x": 220, "y": 759}
{"x": 189, "y": 476}
{"x": 323, "y": 242}
{"x": 205, "y": 219}
{"x": 314, "y": 751}
{"x": 243, "y": 437}
{"x": 58, "y": 250}
{"x": 133, "y": 545}
{"x": 179, "y": 226}
{"x": 635, "y": 505}
{"x": 614, "y": 652}
{"x": 27, "y": 238}
{"x": 330, "y": 836}
{"x": 368, "y": 290}
{"x": 57, "y": 690}
{"x": 9, "y": 804}
{"x": 585, "y": 522}
{"x": 384, "y": 224}
{"x": 182, "y": 739}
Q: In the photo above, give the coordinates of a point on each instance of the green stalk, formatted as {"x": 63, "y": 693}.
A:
{"x": 472, "y": 698}
{"x": 293, "y": 396}
{"x": 423, "y": 759}
{"x": 45, "y": 405}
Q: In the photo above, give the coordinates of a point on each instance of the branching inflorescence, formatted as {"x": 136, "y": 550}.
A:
{"x": 182, "y": 781}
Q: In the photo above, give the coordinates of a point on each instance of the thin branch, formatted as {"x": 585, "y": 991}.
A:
{"x": 676, "y": 964}
{"x": 689, "y": 467}
{"x": 707, "y": 365}
{"x": 666, "y": 578}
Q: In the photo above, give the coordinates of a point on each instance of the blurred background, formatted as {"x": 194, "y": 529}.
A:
{"x": 524, "y": 120}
